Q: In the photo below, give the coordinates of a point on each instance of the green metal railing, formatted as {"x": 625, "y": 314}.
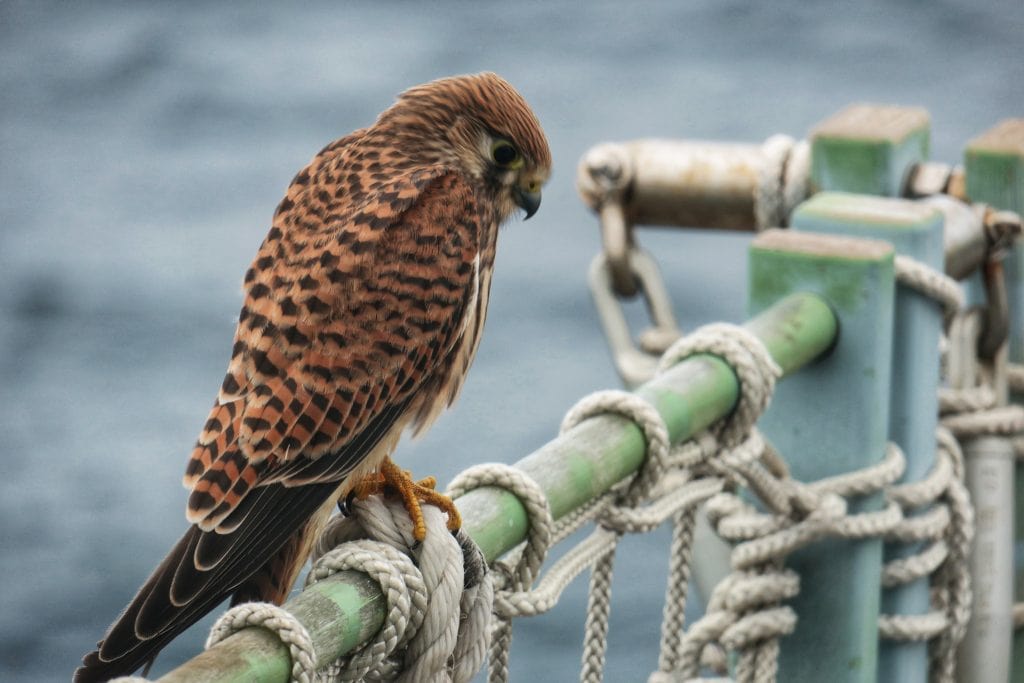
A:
{"x": 348, "y": 608}
{"x": 834, "y": 417}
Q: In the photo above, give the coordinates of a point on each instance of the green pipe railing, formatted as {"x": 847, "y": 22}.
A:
{"x": 347, "y": 609}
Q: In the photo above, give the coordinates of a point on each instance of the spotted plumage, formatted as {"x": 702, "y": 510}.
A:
{"x": 363, "y": 310}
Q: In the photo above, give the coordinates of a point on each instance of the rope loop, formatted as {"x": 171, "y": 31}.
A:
{"x": 533, "y": 500}
{"x": 645, "y": 417}
{"x": 438, "y": 593}
{"x": 754, "y": 367}
{"x": 931, "y": 283}
{"x": 280, "y": 622}
{"x": 403, "y": 588}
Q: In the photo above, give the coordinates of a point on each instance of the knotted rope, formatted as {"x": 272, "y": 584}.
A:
{"x": 783, "y": 180}
{"x": 438, "y": 596}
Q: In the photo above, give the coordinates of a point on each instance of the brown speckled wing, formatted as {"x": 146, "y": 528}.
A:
{"x": 350, "y": 306}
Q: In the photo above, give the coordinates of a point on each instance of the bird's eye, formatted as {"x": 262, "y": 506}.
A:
{"x": 504, "y": 154}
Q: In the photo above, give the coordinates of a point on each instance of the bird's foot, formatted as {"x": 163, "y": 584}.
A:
{"x": 390, "y": 479}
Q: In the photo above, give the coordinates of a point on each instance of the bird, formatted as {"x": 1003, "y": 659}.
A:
{"x": 363, "y": 310}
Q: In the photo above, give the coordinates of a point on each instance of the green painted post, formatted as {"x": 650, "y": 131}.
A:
{"x": 914, "y": 230}
{"x": 994, "y": 167}
{"x": 348, "y": 608}
{"x": 833, "y": 418}
{"x": 868, "y": 149}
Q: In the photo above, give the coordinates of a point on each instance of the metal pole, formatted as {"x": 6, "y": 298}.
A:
{"x": 830, "y": 419}
{"x": 348, "y": 608}
{"x": 914, "y": 230}
{"x": 984, "y": 653}
{"x": 994, "y": 169}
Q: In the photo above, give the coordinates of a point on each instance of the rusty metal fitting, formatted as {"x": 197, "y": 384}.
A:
{"x": 1002, "y": 229}
{"x": 603, "y": 178}
{"x": 637, "y": 359}
{"x": 965, "y": 241}
{"x": 689, "y": 184}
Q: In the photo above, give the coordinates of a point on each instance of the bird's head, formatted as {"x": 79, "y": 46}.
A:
{"x": 483, "y": 126}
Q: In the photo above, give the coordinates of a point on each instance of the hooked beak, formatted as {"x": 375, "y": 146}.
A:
{"x": 526, "y": 200}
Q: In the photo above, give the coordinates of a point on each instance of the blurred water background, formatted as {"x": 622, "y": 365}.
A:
{"x": 144, "y": 146}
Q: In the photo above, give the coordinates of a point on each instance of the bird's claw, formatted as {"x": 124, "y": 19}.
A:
{"x": 392, "y": 480}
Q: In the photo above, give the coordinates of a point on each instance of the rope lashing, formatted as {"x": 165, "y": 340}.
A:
{"x": 438, "y": 607}
{"x": 515, "y": 576}
{"x": 933, "y": 284}
{"x": 647, "y": 419}
{"x": 755, "y": 369}
{"x": 438, "y": 593}
{"x": 783, "y": 180}
{"x": 730, "y": 448}
{"x": 280, "y": 622}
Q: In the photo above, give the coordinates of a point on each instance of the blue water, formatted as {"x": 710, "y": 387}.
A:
{"x": 143, "y": 147}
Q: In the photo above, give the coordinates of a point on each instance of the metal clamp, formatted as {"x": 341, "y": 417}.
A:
{"x": 636, "y": 361}
{"x": 604, "y": 177}
{"x": 996, "y": 330}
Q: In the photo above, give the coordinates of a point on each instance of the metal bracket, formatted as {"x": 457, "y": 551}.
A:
{"x": 636, "y": 361}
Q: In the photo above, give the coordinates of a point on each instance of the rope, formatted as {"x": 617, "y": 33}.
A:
{"x": 442, "y": 600}
{"x": 438, "y": 595}
{"x": 783, "y": 181}
{"x": 755, "y": 369}
{"x": 518, "y": 576}
{"x": 931, "y": 283}
{"x": 437, "y": 591}
{"x": 276, "y": 620}
{"x": 757, "y": 634}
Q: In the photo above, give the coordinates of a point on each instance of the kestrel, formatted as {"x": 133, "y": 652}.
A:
{"x": 363, "y": 311}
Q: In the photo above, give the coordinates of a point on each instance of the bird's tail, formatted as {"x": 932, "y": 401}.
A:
{"x": 149, "y": 622}
{"x": 258, "y": 560}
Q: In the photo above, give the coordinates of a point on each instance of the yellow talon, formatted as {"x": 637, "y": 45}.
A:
{"x": 391, "y": 479}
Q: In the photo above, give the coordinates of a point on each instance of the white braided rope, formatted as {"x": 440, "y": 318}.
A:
{"x": 438, "y": 607}
{"x": 403, "y": 588}
{"x": 783, "y": 181}
{"x": 631, "y": 407}
{"x": 534, "y": 502}
{"x": 520, "y": 576}
{"x": 731, "y": 448}
{"x": 755, "y": 369}
{"x": 769, "y": 202}
{"x": 280, "y": 622}
{"x": 930, "y": 282}
{"x": 1003, "y": 420}
{"x": 796, "y": 185}
{"x": 744, "y": 606}
{"x": 745, "y": 613}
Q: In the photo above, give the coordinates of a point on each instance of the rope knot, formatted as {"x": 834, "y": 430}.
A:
{"x": 754, "y": 367}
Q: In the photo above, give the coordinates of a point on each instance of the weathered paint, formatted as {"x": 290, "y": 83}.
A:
{"x": 832, "y": 418}
{"x": 915, "y": 230}
{"x": 868, "y": 149}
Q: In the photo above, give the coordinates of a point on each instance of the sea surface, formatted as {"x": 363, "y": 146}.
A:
{"x": 144, "y": 146}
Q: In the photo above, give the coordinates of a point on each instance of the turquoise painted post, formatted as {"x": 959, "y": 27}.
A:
{"x": 915, "y": 230}
{"x": 868, "y": 149}
{"x": 994, "y": 169}
{"x": 832, "y": 418}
